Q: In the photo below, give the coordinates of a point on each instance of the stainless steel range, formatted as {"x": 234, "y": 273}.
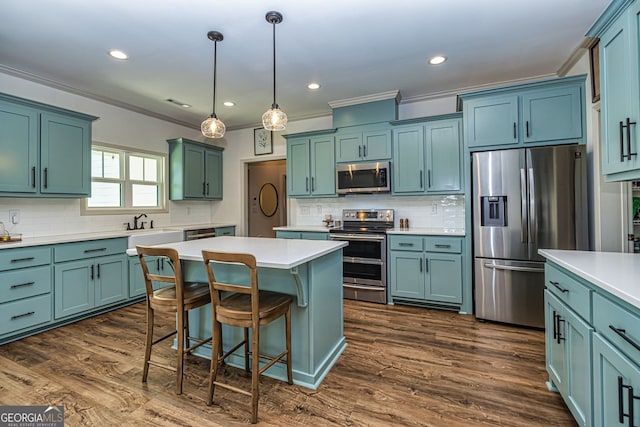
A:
{"x": 365, "y": 259}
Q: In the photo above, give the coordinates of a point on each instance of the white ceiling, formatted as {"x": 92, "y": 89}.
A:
{"x": 353, "y": 48}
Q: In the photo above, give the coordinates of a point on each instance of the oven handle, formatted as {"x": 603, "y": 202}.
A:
{"x": 366, "y": 288}
{"x": 368, "y": 261}
{"x": 358, "y": 237}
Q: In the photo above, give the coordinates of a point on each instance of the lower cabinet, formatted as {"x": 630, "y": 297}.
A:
{"x": 306, "y": 235}
{"x": 425, "y": 269}
{"x": 568, "y": 346}
{"x": 89, "y": 275}
{"x": 225, "y": 231}
{"x": 592, "y": 350}
{"x": 156, "y": 265}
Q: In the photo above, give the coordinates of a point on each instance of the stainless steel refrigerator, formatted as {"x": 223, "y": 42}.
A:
{"x": 524, "y": 199}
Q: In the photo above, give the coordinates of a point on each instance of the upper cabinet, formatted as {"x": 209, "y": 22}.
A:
{"x": 195, "y": 170}
{"x": 542, "y": 113}
{"x": 311, "y": 169}
{"x": 620, "y": 99}
{"x": 363, "y": 145}
{"x": 427, "y": 157}
{"x": 46, "y": 150}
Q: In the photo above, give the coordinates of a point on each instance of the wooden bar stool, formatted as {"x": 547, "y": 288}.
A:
{"x": 178, "y": 297}
{"x": 248, "y": 308}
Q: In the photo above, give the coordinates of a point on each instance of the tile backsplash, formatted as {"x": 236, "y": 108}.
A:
{"x": 441, "y": 211}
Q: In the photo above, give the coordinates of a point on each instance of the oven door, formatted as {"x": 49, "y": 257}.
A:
{"x": 369, "y": 247}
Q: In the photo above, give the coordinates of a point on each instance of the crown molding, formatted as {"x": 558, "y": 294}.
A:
{"x": 367, "y": 98}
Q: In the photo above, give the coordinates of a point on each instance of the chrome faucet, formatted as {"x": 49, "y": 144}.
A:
{"x": 135, "y": 222}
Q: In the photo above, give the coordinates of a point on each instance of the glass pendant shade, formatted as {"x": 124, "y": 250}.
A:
{"x": 213, "y": 128}
{"x": 274, "y": 119}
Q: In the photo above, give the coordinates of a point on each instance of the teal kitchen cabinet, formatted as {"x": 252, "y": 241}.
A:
{"x": 305, "y": 235}
{"x": 311, "y": 166}
{"x": 368, "y": 145}
{"x": 89, "y": 275}
{"x": 156, "y": 265}
{"x": 620, "y": 103}
{"x": 568, "y": 350}
{"x": 428, "y": 157}
{"x": 195, "y": 170}
{"x": 225, "y": 231}
{"x": 47, "y": 150}
{"x": 425, "y": 268}
{"x": 541, "y": 113}
{"x": 25, "y": 290}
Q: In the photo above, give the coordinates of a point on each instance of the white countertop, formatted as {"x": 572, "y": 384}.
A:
{"x": 313, "y": 228}
{"x": 416, "y": 231}
{"x": 428, "y": 231}
{"x": 269, "y": 253}
{"x": 79, "y": 237}
{"x": 614, "y": 272}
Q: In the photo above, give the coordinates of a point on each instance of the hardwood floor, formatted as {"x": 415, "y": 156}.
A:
{"x": 404, "y": 366}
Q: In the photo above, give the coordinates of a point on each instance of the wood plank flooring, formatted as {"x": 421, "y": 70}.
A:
{"x": 404, "y": 366}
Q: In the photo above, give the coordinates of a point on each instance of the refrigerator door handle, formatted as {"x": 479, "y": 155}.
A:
{"x": 523, "y": 205}
{"x": 513, "y": 268}
{"x": 532, "y": 208}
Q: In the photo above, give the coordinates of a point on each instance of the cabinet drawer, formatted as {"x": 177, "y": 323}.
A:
{"x": 24, "y": 257}
{"x": 89, "y": 249}
{"x": 436, "y": 244}
{"x": 25, "y": 283}
{"x": 406, "y": 243}
{"x": 225, "y": 231}
{"x": 606, "y": 314}
{"x": 25, "y": 313}
{"x": 569, "y": 290}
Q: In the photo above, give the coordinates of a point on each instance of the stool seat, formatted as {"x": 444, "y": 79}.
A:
{"x": 237, "y": 307}
{"x": 194, "y": 294}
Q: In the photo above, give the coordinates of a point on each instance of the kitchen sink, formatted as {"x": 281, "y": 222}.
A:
{"x": 154, "y": 237}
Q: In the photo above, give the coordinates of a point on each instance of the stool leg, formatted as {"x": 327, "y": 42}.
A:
{"x": 246, "y": 349}
{"x": 148, "y": 343}
{"x": 187, "y": 342}
{"x": 216, "y": 353}
{"x": 180, "y": 345}
{"x": 255, "y": 372}
{"x": 288, "y": 338}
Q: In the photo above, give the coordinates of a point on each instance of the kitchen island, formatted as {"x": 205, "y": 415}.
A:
{"x": 311, "y": 271}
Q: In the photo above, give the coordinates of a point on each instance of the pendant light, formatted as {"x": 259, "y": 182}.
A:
{"x": 274, "y": 119}
{"x": 212, "y": 127}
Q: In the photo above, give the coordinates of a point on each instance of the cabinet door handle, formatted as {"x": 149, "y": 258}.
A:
{"x": 33, "y": 177}
{"x": 21, "y": 285}
{"x": 46, "y": 177}
{"x": 622, "y": 155}
{"x": 204, "y": 186}
{"x": 630, "y": 154}
{"x": 92, "y": 272}
{"x": 555, "y": 326}
{"x": 526, "y": 125}
{"x": 559, "y": 337}
{"x": 429, "y": 178}
{"x": 405, "y": 244}
{"x": 442, "y": 246}
{"x": 557, "y": 286}
{"x": 364, "y": 149}
{"x": 426, "y": 265}
{"x": 359, "y": 150}
{"x": 207, "y": 188}
{"x": 420, "y": 265}
{"x": 98, "y": 268}
{"x": 18, "y": 316}
{"x": 623, "y": 334}
{"x": 420, "y": 179}
{"x": 313, "y": 184}
{"x": 630, "y": 399}
{"x": 307, "y": 184}
{"x": 515, "y": 135}
{"x": 22, "y": 259}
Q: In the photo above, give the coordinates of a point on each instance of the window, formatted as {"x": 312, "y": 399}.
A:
{"x": 123, "y": 181}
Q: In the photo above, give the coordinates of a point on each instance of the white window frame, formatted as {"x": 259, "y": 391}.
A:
{"x": 127, "y": 183}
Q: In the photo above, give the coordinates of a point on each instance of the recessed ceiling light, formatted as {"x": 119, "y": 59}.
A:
{"x": 228, "y": 104}
{"x": 313, "y": 86}
{"x": 118, "y": 54}
{"x": 437, "y": 60}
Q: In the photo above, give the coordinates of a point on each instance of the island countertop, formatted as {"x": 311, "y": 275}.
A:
{"x": 614, "y": 272}
{"x": 269, "y": 253}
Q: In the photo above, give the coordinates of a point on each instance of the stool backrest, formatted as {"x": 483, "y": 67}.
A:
{"x": 175, "y": 279}
{"x": 216, "y": 287}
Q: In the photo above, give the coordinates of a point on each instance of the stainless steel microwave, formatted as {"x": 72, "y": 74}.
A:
{"x": 373, "y": 177}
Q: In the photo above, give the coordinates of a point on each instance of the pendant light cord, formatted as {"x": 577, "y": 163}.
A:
{"x": 215, "y": 54}
{"x": 274, "y": 66}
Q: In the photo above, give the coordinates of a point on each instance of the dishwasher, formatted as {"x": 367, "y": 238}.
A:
{"x": 199, "y": 233}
